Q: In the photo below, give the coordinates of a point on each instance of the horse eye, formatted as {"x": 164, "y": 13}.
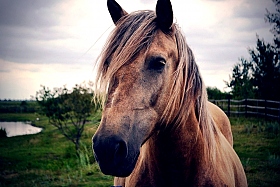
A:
{"x": 157, "y": 64}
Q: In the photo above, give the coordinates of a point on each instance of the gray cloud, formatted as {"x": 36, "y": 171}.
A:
{"x": 26, "y": 27}
{"x": 25, "y": 45}
{"x": 253, "y": 9}
{"x": 27, "y": 13}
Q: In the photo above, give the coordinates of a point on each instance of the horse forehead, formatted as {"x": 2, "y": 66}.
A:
{"x": 164, "y": 44}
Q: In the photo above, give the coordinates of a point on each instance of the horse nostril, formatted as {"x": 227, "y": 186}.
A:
{"x": 109, "y": 150}
{"x": 120, "y": 151}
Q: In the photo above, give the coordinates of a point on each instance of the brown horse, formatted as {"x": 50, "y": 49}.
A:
{"x": 157, "y": 127}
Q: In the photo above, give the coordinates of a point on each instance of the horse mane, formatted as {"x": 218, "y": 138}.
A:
{"x": 134, "y": 33}
{"x": 189, "y": 91}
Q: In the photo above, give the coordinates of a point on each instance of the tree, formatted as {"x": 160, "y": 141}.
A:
{"x": 215, "y": 93}
{"x": 23, "y": 106}
{"x": 68, "y": 110}
{"x": 265, "y": 70}
{"x": 260, "y": 76}
{"x": 241, "y": 82}
{"x": 274, "y": 19}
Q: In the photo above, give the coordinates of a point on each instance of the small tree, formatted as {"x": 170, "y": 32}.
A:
{"x": 3, "y": 133}
{"x": 68, "y": 110}
{"x": 241, "y": 82}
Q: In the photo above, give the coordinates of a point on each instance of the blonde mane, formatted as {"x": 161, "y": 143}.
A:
{"x": 134, "y": 33}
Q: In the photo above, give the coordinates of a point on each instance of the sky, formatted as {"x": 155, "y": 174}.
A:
{"x": 56, "y": 42}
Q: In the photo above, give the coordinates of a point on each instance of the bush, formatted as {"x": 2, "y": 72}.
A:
{"x": 3, "y": 133}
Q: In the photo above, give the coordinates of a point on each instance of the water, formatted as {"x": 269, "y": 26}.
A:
{"x": 19, "y": 128}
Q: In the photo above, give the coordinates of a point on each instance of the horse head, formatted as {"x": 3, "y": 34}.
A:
{"x": 138, "y": 67}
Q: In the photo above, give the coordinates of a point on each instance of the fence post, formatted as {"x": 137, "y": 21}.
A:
{"x": 265, "y": 109}
{"x": 228, "y": 107}
{"x": 279, "y": 114}
{"x": 245, "y": 107}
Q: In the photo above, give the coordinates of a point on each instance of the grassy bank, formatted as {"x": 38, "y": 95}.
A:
{"x": 48, "y": 159}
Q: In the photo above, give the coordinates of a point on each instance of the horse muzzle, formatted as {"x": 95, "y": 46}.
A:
{"x": 118, "y": 140}
{"x": 114, "y": 155}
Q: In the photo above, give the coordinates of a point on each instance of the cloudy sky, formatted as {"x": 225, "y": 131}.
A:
{"x": 56, "y": 42}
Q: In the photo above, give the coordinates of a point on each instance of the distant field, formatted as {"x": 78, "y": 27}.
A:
{"x": 48, "y": 159}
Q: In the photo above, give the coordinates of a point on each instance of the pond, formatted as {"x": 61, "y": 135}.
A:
{"x": 19, "y": 128}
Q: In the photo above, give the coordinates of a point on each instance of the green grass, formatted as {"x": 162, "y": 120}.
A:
{"x": 257, "y": 143}
{"x": 19, "y": 116}
{"x": 48, "y": 159}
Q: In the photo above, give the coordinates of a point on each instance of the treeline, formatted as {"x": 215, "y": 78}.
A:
{"x": 9, "y": 106}
{"x": 259, "y": 76}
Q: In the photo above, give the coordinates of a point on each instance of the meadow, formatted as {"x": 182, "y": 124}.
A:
{"x": 48, "y": 159}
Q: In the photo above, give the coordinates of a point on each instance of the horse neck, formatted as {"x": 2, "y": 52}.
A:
{"x": 177, "y": 152}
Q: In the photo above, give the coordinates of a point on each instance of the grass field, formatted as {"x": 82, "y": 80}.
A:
{"x": 258, "y": 145}
{"x": 48, "y": 159}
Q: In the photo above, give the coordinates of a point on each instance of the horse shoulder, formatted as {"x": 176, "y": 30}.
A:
{"x": 229, "y": 168}
{"x": 221, "y": 121}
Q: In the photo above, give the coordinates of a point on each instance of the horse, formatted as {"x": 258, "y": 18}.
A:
{"x": 158, "y": 127}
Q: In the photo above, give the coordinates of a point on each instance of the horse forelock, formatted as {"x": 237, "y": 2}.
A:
{"x": 132, "y": 34}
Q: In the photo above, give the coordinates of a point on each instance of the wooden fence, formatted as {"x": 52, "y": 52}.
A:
{"x": 250, "y": 107}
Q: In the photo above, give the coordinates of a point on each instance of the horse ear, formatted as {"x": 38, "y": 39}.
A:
{"x": 164, "y": 14}
{"x": 115, "y": 10}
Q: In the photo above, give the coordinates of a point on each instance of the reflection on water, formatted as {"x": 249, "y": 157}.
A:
{"x": 19, "y": 128}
